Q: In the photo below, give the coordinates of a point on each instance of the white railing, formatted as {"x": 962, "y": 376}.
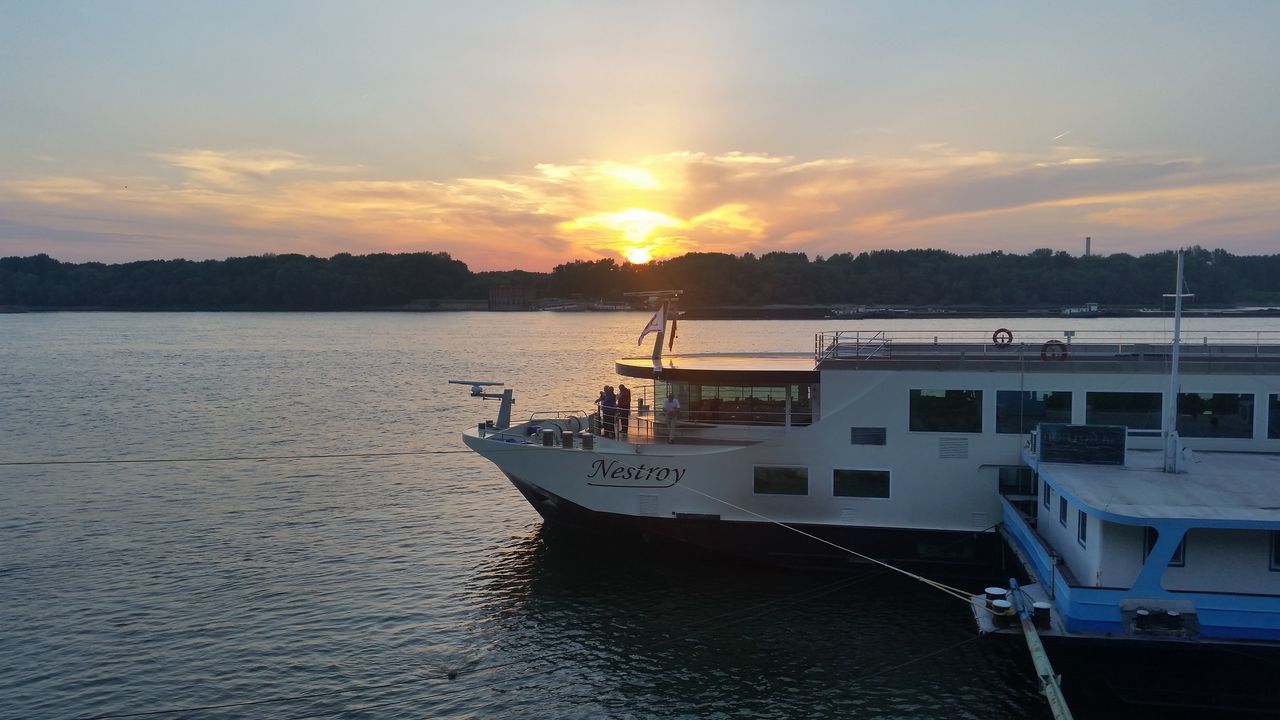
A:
{"x": 976, "y": 345}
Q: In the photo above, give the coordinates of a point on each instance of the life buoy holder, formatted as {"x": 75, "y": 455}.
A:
{"x": 1053, "y": 350}
{"x": 1002, "y": 337}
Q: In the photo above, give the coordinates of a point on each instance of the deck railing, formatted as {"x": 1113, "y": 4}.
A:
{"x": 978, "y": 345}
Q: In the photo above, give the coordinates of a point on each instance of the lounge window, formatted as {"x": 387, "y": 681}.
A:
{"x": 742, "y": 404}
{"x": 1018, "y": 412}
{"x": 1215, "y": 415}
{"x": 1134, "y": 410}
{"x": 1082, "y": 527}
{"x": 1048, "y": 496}
{"x": 1149, "y": 541}
{"x": 860, "y": 483}
{"x": 1273, "y": 417}
{"x": 782, "y": 480}
{"x": 1062, "y": 511}
{"x": 954, "y": 411}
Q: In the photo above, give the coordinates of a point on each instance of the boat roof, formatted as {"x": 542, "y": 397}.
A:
{"x": 725, "y": 368}
{"x": 1219, "y": 489}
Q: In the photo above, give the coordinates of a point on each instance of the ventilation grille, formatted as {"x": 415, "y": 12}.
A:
{"x": 867, "y": 436}
{"x": 979, "y": 521}
{"x": 953, "y": 448}
{"x": 848, "y": 515}
{"x": 648, "y": 504}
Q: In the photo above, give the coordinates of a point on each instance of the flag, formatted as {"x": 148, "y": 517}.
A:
{"x": 656, "y": 323}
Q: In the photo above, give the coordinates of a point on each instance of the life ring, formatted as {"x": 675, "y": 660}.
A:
{"x": 1053, "y": 350}
{"x": 1002, "y": 337}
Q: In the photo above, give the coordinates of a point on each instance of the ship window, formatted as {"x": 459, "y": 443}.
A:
{"x": 1017, "y": 480}
{"x": 782, "y": 480}
{"x": 1134, "y": 410}
{"x": 1062, "y": 510}
{"x": 860, "y": 483}
{"x": 1048, "y": 496}
{"x": 1275, "y": 550}
{"x": 1149, "y": 542}
{"x": 867, "y": 435}
{"x": 953, "y": 411}
{"x": 1273, "y": 417}
{"x": 1215, "y": 415}
{"x": 742, "y": 404}
{"x": 1082, "y": 527}
{"x": 1020, "y": 412}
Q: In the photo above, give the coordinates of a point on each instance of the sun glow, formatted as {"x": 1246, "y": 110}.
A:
{"x": 637, "y": 255}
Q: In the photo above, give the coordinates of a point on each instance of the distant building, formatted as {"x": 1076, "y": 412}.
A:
{"x": 511, "y": 296}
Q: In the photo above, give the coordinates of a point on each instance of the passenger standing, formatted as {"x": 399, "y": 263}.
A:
{"x": 624, "y": 408}
{"x": 671, "y": 409}
{"x": 608, "y": 410}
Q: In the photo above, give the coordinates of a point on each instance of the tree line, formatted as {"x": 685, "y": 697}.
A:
{"x": 882, "y": 277}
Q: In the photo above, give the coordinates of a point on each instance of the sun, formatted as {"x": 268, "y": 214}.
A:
{"x": 637, "y": 255}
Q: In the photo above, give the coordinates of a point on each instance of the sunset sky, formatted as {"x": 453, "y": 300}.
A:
{"x": 526, "y": 134}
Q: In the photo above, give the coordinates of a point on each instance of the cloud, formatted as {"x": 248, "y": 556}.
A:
{"x": 250, "y": 202}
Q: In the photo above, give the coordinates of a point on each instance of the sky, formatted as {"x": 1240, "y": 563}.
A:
{"x": 529, "y": 134}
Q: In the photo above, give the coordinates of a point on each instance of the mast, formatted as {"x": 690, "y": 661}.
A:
{"x": 1172, "y": 445}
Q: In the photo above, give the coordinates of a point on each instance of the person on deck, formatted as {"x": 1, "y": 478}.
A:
{"x": 624, "y": 408}
{"x": 608, "y": 411}
{"x": 671, "y": 409}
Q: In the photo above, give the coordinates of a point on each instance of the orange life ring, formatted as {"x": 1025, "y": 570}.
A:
{"x": 1003, "y": 336}
{"x": 1053, "y": 350}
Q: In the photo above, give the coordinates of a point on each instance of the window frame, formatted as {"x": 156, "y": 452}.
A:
{"x": 888, "y": 478}
{"x": 1062, "y": 510}
{"x": 1082, "y": 528}
{"x": 755, "y": 479}
{"x": 914, "y": 395}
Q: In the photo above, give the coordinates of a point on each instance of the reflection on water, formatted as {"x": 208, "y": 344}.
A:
{"x": 344, "y": 584}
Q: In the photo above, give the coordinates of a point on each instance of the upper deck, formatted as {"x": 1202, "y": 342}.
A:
{"x": 1079, "y": 352}
{"x": 1224, "y": 489}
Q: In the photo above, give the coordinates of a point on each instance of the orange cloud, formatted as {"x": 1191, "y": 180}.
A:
{"x": 648, "y": 207}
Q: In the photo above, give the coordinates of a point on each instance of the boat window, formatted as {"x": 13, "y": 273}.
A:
{"x": 867, "y": 435}
{"x": 782, "y": 480}
{"x": 1273, "y": 417}
{"x": 1149, "y": 541}
{"x": 1082, "y": 527}
{"x": 1215, "y": 415}
{"x": 1017, "y": 480}
{"x": 955, "y": 411}
{"x": 741, "y": 404}
{"x": 1134, "y": 410}
{"x": 1275, "y": 550}
{"x": 1020, "y": 412}
{"x": 860, "y": 483}
{"x": 1048, "y": 496}
{"x": 1062, "y": 510}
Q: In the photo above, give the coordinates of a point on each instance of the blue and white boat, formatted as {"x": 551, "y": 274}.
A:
{"x": 1157, "y": 570}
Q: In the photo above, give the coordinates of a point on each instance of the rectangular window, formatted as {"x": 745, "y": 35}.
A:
{"x": 1018, "y": 412}
{"x": 953, "y": 411}
{"x": 782, "y": 480}
{"x": 1149, "y": 541}
{"x": 1215, "y": 415}
{"x": 860, "y": 483}
{"x": 1062, "y": 511}
{"x": 867, "y": 435}
{"x": 1082, "y": 527}
{"x": 1134, "y": 410}
{"x": 1016, "y": 480}
{"x": 1048, "y": 496}
{"x": 1273, "y": 417}
{"x": 1275, "y": 550}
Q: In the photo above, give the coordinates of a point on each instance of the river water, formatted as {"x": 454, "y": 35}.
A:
{"x": 404, "y": 585}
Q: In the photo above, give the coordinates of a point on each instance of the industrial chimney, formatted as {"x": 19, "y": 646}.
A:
{"x": 1088, "y": 249}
